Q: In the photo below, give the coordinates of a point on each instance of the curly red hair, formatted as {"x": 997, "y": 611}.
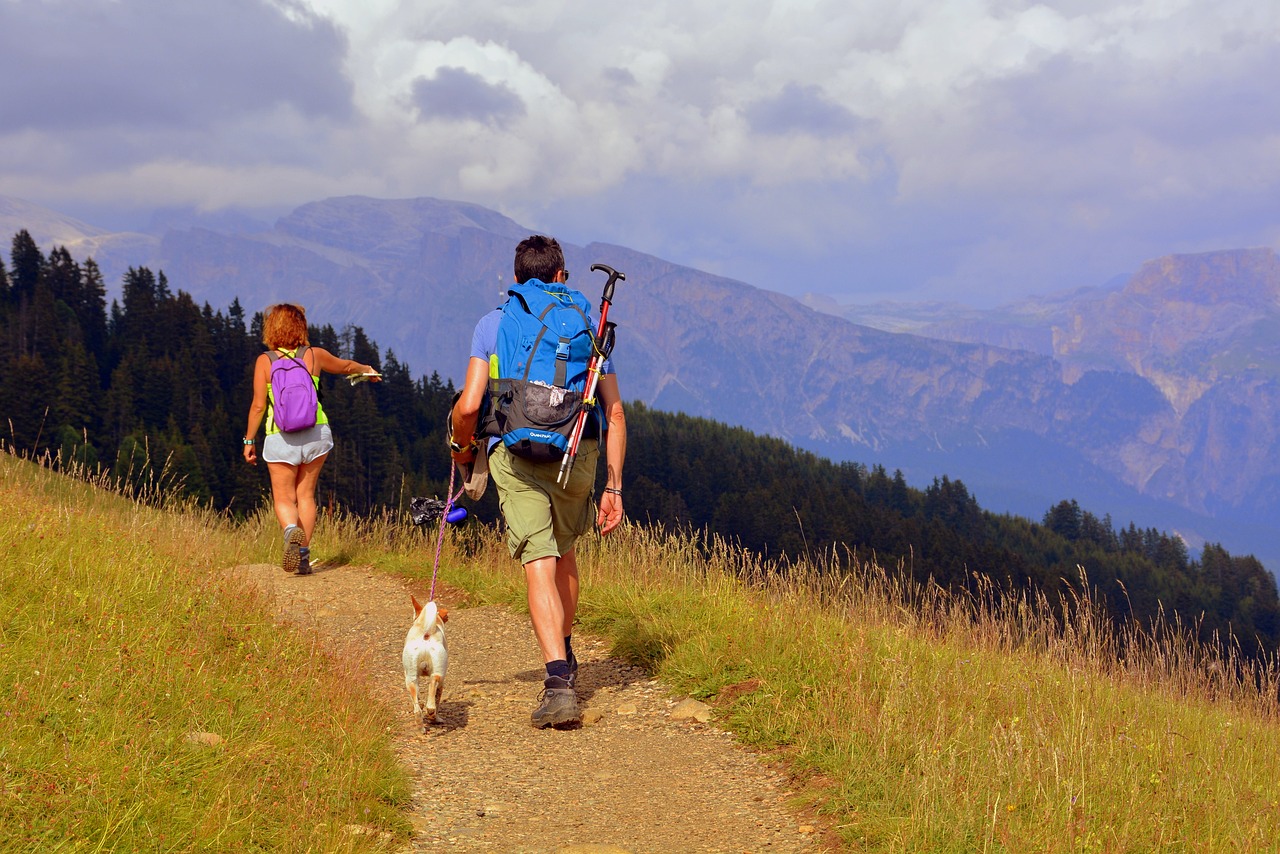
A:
{"x": 285, "y": 326}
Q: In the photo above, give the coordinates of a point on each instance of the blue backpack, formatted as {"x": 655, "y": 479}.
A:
{"x": 294, "y": 401}
{"x": 538, "y": 372}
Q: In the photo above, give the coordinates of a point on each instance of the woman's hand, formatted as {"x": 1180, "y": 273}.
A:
{"x": 251, "y": 453}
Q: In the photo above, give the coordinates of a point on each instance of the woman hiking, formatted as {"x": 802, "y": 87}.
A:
{"x": 298, "y": 438}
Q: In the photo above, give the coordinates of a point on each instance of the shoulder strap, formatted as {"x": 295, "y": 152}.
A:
{"x": 538, "y": 300}
{"x": 283, "y": 353}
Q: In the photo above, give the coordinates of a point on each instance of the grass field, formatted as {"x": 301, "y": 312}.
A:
{"x": 927, "y": 722}
{"x": 146, "y": 705}
{"x": 916, "y": 720}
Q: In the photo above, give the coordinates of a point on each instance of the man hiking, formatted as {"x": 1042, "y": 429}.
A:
{"x": 543, "y": 518}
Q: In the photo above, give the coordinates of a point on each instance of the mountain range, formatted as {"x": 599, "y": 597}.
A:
{"x": 1154, "y": 398}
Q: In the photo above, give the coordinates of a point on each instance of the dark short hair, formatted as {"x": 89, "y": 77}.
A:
{"x": 538, "y": 257}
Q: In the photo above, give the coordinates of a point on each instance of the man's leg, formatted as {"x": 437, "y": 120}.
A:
{"x": 567, "y": 587}
{"x": 527, "y": 495}
{"x": 559, "y": 703}
{"x": 546, "y": 605}
{"x": 553, "y": 606}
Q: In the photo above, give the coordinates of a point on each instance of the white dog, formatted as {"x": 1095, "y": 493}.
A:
{"x": 425, "y": 654}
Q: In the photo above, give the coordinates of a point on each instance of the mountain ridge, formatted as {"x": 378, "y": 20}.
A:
{"x": 416, "y": 273}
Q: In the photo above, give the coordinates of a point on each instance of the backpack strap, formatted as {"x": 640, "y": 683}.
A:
{"x": 281, "y": 353}
{"x": 302, "y": 348}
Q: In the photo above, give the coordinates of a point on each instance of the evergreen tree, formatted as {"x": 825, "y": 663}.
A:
{"x": 75, "y": 403}
{"x": 28, "y": 264}
{"x": 900, "y": 495}
{"x": 24, "y": 413}
{"x": 7, "y": 342}
{"x": 139, "y": 317}
{"x": 92, "y": 310}
{"x": 119, "y": 410}
{"x": 62, "y": 274}
{"x": 1064, "y": 519}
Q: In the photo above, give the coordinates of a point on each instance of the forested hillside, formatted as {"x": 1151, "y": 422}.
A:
{"x": 779, "y": 500}
{"x": 157, "y": 388}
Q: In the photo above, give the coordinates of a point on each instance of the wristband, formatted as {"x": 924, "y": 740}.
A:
{"x": 612, "y": 491}
{"x": 457, "y": 449}
{"x": 247, "y": 441}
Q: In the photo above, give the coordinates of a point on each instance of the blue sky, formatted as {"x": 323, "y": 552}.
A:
{"x": 968, "y": 150}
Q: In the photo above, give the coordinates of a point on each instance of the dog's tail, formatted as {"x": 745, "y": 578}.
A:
{"x": 435, "y": 615}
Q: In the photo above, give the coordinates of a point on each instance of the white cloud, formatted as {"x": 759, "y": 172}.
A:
{"x": 997, "y": 131}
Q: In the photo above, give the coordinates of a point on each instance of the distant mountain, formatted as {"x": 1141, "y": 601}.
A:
{"x": 1148, "y": 402}
{"x": 1201, "y": 330}
{"x": 115, "y": 252}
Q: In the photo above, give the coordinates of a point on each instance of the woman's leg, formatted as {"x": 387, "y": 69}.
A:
{"x": 284, "y": 493}
{"x": 305, "y": 489}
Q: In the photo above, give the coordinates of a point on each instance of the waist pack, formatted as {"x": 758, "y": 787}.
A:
{"x": 538, "y": 372}
{"x": 295, "y": 401}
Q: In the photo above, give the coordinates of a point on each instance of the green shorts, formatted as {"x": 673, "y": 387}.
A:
{"x": 542, "y": 519}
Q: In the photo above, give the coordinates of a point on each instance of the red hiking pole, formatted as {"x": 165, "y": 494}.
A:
{"x": 601, "y": 346}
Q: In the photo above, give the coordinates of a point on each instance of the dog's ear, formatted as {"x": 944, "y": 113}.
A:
{"x": 417, "y": 606}
{"x": 443, "y": 613}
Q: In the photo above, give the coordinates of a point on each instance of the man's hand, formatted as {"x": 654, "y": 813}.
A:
{"x": 610, "y": 515}
{"x": 466, "y": 455}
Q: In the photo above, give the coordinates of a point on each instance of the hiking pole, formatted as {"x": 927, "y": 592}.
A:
{"x": 601, "y": 347}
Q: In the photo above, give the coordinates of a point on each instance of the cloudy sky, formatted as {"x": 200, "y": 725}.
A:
{"x": 968, "y": 150}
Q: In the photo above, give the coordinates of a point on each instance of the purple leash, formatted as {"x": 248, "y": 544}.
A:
{"x": 444, "y": 520}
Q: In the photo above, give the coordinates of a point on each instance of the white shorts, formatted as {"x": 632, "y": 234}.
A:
{"x": 304, "y": 446}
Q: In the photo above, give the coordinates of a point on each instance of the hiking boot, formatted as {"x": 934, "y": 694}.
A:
{"x": 304, "y": 564}
{"x": 559, "y": 704}
{"x": 293, "y": 536}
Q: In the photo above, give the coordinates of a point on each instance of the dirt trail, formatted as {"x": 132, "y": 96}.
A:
{"x": 631, "y": 779}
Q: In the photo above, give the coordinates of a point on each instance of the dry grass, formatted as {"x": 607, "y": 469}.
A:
{"x": 926, "y": 721}
{"x": 148, "y": 705}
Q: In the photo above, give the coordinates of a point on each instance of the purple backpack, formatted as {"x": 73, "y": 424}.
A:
{"x": 293, "y": 392}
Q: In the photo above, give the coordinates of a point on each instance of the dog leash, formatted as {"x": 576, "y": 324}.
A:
{"x": 444, "y": 520}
